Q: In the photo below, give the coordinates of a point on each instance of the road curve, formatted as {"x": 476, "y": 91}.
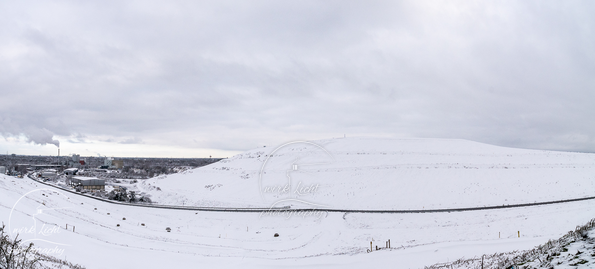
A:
{"x": 287, "y": 209}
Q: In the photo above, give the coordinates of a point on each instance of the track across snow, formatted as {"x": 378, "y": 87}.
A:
{"x": 260, "y": 210}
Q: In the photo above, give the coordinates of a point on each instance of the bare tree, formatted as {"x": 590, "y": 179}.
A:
{"x": 15, "y": 256}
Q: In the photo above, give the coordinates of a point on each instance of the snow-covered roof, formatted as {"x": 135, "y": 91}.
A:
{"x": 88, "y": 181}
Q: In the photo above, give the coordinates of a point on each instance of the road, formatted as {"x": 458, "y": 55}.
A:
{"x": 261, "y": 210}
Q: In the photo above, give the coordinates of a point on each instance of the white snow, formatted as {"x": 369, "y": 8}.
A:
{"x": 365, "y": 173}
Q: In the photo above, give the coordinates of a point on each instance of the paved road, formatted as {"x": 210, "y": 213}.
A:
{"x": 260, "y": 210}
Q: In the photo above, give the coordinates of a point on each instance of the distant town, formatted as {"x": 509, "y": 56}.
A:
{"x": 102, "y": 167}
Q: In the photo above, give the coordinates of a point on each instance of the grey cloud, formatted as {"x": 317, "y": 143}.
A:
{"x": 233, "y": 75}
{"x": 41, "y": 136}
{"x": 37, "y": 134}
{"x": 134, "y": 140}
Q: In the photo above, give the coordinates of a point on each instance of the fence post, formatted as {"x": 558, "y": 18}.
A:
{"x": 73, "y": 228}
{"x": 371, "y": 249}
{"x": 519, "y": 234}
{"x": 388, "y": 243}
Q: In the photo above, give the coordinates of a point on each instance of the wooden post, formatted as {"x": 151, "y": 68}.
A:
{"x": 498, "y": 234}
{"x": 371, "y": 246}
{"x": 73, "y": 228}
{"x": 482, "y": 261}
{"x": 519, "y": 234}
{"x": 388, "y": 243}
{"x": 66, "y": 226}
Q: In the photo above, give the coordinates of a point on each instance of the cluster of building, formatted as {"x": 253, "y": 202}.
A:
{"x": 69, "y": 168}
{"x": 83, "y": 182}
{"x": 84, "y": 172}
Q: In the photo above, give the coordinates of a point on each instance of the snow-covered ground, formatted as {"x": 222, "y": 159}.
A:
{"x": 361, "y": 173}
{"x": 365, "y": 173}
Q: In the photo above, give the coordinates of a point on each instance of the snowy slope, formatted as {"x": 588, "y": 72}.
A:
{"x": 576, "y": 249}
{"x": 361, "y": 173}
{"x": 367, "y": 173}
{"x": 245, "y": 240}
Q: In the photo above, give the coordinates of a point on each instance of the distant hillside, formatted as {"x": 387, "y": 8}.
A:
{"x": 368, "y": 173}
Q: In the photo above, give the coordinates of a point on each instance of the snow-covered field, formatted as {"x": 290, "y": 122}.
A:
{"x": 351, "y": 173}
{"x": 364, "y": 173}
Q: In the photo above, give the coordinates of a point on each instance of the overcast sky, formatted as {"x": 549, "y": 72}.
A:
{"x": 192, "y": 79}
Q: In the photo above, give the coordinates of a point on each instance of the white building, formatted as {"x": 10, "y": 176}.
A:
{"x": 49, "y": 173}
{"x": 107, "y": 162}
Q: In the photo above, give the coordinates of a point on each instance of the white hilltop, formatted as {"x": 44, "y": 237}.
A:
{"x": 375, "y": 173}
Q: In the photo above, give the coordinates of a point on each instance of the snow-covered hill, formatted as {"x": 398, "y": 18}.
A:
{"x": 359, "y": 173}
{"x": 117, "y": 236}
{"x": 369, "y": 173}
